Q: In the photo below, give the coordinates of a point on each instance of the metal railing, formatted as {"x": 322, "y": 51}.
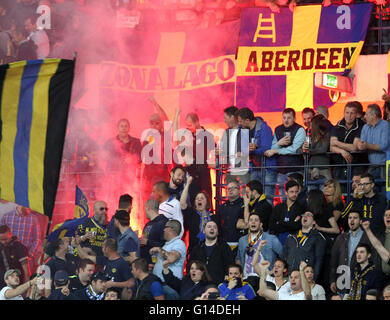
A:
{"x": 221, "y": 171}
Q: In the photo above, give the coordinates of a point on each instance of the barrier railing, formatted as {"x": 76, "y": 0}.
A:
{"x": 222, "y": 170}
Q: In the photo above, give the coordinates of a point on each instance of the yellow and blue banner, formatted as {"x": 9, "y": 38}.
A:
{"x": 34, "y": 105}
{"x": 69, "y": 227}
{"x": 279, "y": 54}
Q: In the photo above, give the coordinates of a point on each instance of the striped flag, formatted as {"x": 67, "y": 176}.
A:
{"x": 34, "y": 105}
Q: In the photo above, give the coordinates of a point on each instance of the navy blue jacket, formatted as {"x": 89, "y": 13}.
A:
{"x": 186, "y": 288}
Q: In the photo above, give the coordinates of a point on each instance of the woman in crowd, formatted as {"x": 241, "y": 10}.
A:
{"x": 326, "y": 224}
{"x": 335, "y": 203}
{"x": 278, "y": 275}
{"x": 324, "y": 219}
{"x": 317, "y": 291}
{"x": 195, "y": 217}
{"x": 318, "y": 146}
{"x": 193, "y": 284}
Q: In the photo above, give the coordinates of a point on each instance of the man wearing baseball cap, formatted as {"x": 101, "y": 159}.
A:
{"x": 14, "y": 291}
{"x": 61, "y": 282}
{"x": 96, "y": 290}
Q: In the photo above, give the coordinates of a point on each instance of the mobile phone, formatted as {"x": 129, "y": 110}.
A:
{"x": 214, "y": 295}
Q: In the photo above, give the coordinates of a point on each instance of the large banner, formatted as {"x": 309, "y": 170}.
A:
{"x": 279, "y": 54}
{"x": 34, "y": 104}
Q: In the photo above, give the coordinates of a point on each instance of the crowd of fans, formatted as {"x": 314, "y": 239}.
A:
{"x": 31, "y": 29}
{"x": 311, "y": 245}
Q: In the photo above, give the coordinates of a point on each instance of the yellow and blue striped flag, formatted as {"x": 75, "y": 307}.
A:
{"x": 69, "y": 227}
{"x": 34, "y": 105}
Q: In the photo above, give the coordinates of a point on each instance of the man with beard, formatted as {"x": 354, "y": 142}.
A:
{"x": 13, "y": 290}
{"x": 343, "y": 250}
{"x": 286, "y": 215}
{"x": 93, "y": 232}
{"x": 365, "y": 276}
{"x": 299, "y": 287}
{"x": 177, "y": 178}
{"x": 308, "y": 245}
{"x": 248, "y": 244}
{"x": 213, "y": 252}
{"x": 128, "y": 242}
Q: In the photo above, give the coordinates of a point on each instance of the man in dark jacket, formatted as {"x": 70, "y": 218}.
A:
{"x": 95, "y": 290}
{"x": 286, "y": 216}
{"x": 153, "y": 233}
{"x": 61, "y": 284}
{"x": 229, "y": 214}
{"x": 306, "y": 245}
{"x": 255, "y": 201}
{"x": 215, "y": 253}
{"x": 372, "y": 205}
{"x": 365, "y": 276}
{"x": 343, "y": 251}
{"x": 147, "y": 285}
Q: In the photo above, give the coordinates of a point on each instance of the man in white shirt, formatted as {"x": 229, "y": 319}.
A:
{"x": 169, "y": 205}
{"x": 231, "y": 147}
{"x": 300, "y": 289}
{"x": 14, "y": 291}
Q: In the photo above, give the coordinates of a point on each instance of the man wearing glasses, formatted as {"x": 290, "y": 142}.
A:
{"x": 228, "y": 216}
{"x": 93, "y": 232}
{"x": 372, "y": 205}
{"x": 173, "y": 253}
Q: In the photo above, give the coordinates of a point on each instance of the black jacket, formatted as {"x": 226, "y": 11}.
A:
{"x": 217, "y": 263}
{"x": 278, "y": 224}
{"x": 363, "y": 280}
{"x": 339, "y": 255}
{"x": 312, "y": 251}
{"x": 227, "y": 217}
{"x": 373, "y": 210}
{"x": 262, "y": 206}
{"x": 142, "y": 288}
{"x": 187, "y": 289}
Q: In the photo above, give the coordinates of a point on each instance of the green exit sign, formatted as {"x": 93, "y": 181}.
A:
{"x": 329, "y": 80}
